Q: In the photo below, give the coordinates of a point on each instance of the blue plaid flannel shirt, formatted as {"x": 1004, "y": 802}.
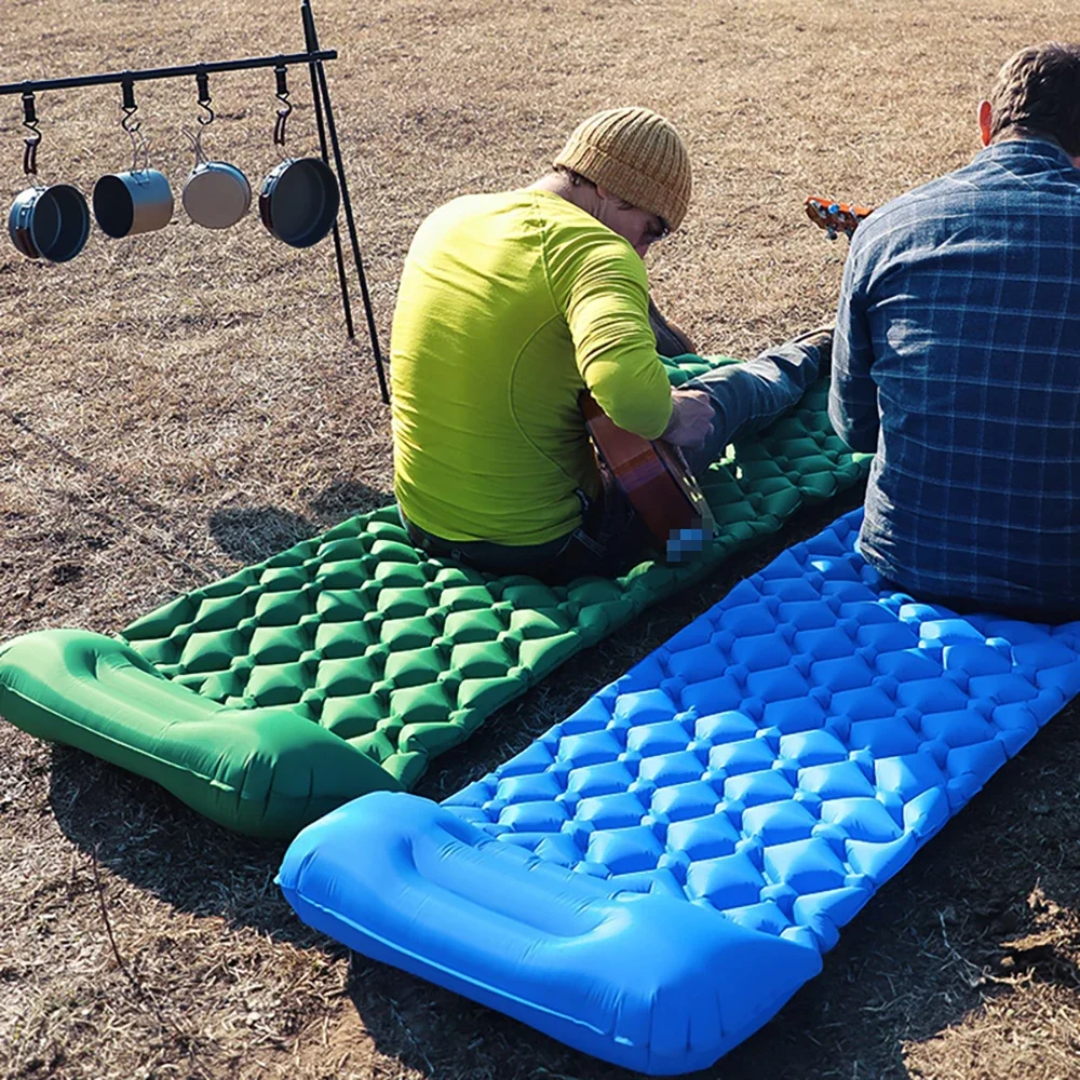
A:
{"x": 957, "y": 359}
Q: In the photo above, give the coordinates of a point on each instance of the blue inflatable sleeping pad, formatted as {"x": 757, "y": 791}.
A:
{"x": 657, "y": 874}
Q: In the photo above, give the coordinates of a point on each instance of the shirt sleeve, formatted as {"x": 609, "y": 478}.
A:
{"x": 605, "y": 293}
{"x": 853, "y": 403}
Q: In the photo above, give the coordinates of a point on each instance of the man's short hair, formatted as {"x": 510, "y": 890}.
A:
{"x": 1038, "y": 93}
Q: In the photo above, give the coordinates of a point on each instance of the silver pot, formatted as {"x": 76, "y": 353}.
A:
{"x": 49, "y": 222}
{"x": 299, "y": 201}
{"x": 129, "y": 203}
{"x": 216, "y": 195}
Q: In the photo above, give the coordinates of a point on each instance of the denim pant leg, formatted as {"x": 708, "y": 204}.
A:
{"x": 611, "y": 538}
{"x": 748, "y": 397}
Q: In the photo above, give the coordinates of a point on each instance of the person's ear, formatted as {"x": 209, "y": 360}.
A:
{"x": 986, "y": 116}
{"x": 607, "y": 193}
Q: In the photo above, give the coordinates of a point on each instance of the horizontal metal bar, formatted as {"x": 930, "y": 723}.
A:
{"x": 33, "y": 86}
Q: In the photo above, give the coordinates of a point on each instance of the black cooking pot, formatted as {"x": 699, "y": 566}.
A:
{"x": 49, "y": 222}
{"x": 299, "y": 201}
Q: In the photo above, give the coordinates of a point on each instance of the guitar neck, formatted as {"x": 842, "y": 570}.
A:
{"x": 836, "y": 217}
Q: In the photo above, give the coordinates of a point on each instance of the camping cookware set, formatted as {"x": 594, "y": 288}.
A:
{"x": 298, "y": 201}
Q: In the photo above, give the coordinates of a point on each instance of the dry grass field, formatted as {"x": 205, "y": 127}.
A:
{"x": 178, "y": 404}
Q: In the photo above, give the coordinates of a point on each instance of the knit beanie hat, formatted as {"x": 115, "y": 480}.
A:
{"x": 638, "y": 156}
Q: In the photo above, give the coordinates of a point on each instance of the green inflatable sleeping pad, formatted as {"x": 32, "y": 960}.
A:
{"x": 344, "y": 664}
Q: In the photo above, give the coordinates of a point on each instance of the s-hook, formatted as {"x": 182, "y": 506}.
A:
{"x": 202, "y": 81}
{"x": 131, "y": 126}
{"x": 31, "y": 142}
{"x": 129, "y": 108}
{"x": 283, "y": 96}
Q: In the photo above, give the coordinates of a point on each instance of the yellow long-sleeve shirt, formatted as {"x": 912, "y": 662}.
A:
{"x": 509, "y": 306}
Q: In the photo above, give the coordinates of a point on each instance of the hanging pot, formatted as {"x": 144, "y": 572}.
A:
{"x": 49, "y": 222}
{"x": 299, "y": 201}
{"x": 129, "y": 203}
{"x": 216, "y": 195}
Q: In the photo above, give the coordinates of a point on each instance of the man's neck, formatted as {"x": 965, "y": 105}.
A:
{"x": 583, "y": 196}
{"x": 1022, "y": 134}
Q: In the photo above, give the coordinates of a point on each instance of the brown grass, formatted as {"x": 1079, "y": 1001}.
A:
{"x": 178, "y": 404}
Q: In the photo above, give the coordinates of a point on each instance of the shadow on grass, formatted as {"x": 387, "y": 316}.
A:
{"x": 255, "y": 533}
{"x": 342, "y": 499}
{"x": 140, "y": 832}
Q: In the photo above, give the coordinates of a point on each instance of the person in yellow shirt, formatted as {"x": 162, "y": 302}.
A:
{"x": 510, "y": 305}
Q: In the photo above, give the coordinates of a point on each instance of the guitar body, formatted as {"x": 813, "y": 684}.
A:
{"x": 655, "y": 478}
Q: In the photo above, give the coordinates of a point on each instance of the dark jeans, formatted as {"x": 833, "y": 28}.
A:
{"x": 609, "y": 538}
{"x": 745, "y": 398}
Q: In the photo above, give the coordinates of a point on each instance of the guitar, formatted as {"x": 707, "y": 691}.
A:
{"x": 655, "y": 478}
{"x": 836, "y": 217}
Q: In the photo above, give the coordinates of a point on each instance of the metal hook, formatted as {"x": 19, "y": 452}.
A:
{"x": 195, "y": 138}
{"x": 140, "y": 144}
{"x": 31, "y": 143}
{"x": 129, "y": 124}
{"x": 202, "y": 81}
{"x": 283, "y": 96}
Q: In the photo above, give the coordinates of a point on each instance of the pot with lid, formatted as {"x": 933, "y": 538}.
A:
{"x": 299, "y": 199}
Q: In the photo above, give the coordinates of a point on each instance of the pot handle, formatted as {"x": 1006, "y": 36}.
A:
{"x": 283, "y": 96}
{"x": 195, "y": 138}
{"x": 32, "y": 142}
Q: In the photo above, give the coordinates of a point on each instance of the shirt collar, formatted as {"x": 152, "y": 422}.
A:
{"x": 1045, "y": 149}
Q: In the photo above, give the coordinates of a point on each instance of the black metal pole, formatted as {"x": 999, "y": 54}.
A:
{"x": 33, "y": 86}
{"x": 323, "y": 91}
{"x": 338, "y": 253}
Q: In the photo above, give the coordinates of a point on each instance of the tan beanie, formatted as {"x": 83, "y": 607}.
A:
{"x": 638, "y": 156}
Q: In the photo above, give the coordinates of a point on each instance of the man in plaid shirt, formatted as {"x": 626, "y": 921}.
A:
{"x": 956, "y": 358}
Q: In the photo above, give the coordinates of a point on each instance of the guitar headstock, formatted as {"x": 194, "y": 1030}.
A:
{"x": 836, "y": 217}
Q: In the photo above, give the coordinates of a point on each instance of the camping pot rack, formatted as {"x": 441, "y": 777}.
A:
{"x": 314, "y": 58}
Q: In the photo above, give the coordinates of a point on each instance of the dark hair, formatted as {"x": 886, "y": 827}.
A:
{"x": 1038, "y": 93}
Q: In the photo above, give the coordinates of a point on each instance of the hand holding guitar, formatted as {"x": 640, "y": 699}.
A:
{"x": 654, "y": 474}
